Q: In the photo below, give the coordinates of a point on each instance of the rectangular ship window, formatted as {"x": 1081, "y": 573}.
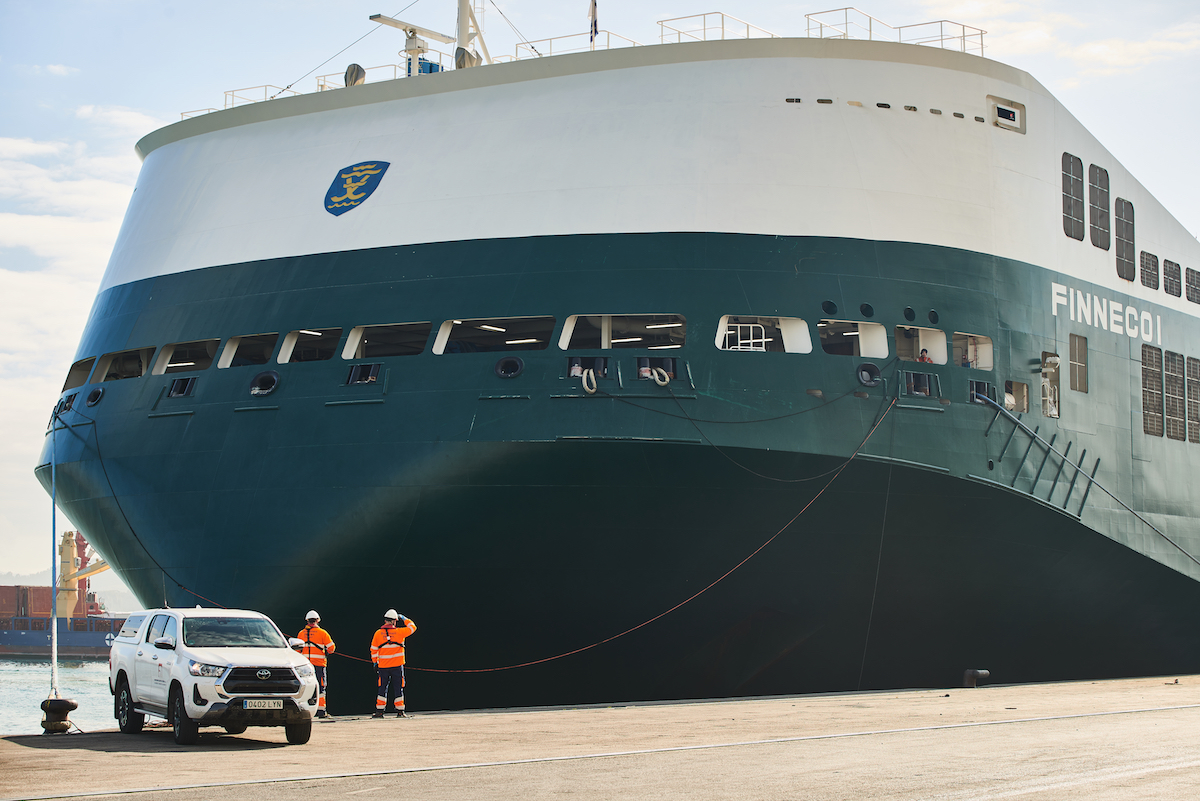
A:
{"x": 1050, "y": 363}
{"x": 1193, "y": 400}
{"x": 1016, "y": 396}
{"x": 125, "y": 364}
{"x": 925, "y": 385}
{"x": 1098, "y": 206}
{"x": 309, "y": 345}
{"x": 1124, "y": 230}
{"x": 1150, "y": 270}
{"x": 1152, "y": 391}
{"x": 1079, "y": 363}
{"x": 1072, "y": 194}
{"x": 494, "y": 334}
{"x": 1172, "y": 283}
{"x": 848, "y": 338}
{"x": 1192, "y": 284}
{"x": 248, "y": 350}
{"x": 609, "y": 331}
{"x": 910, "y": 341}
{"x": 77, "y": 376}
{"x": 1174, "y": 402}
{"x": 185, "y": 357}
{"x": 972, "y": 350}
{"x": 763, "y": 334}
{"x": 181, "y": 387}
{"x": 379, "y": 341}
{"x": 363, "y": 374}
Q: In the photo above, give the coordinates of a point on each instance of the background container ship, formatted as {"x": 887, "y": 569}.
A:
{"x": 536, "y": 351}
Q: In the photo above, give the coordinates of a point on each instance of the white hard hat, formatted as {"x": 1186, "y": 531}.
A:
{"x": 312, "y": 615}
{"x": 391, "y": 614}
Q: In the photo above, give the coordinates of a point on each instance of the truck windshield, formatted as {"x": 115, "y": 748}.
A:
{"x": 230, "y": 632}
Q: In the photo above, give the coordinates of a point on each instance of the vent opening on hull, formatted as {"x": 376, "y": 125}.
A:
{"x": 363, "y": 374}
{"x": 926, "y": 385}
{"x": 247, "y": 350}
{"x": 576, "y": 365}
{"x": 614, "y": 331}
{"x": 380, "y": 341}
{"x": 77, "y": 376}
{"x": 764, "y": 334}
{"x": 181, "y": 357}
{"x": 492, "y": 334}
{"x": 848, "y": 338}
{"x": 125, "y": 364}
{"x": 181, "y": 387}
{"x": 915, "y": 344}
{"x": 309, "y": 345}
{"x": 982, "y": 389}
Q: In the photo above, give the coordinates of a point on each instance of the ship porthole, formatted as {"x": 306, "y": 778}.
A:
{"x": 509, "y": 367}
{"x": 264, "y": 383}
{"x": 909, "y": 314}
{"x": 867, "y": 310}
{"x": 868, "y": 375}
{"x": 829, "y": 307}
{"x": 95, "y": 395}
{"x": 933, "y": 316}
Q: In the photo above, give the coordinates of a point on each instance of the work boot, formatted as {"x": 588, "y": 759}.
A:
{"x": 378, "y": 713}
{"x": 320, "y": 713}
{"x": 400, "y": 713}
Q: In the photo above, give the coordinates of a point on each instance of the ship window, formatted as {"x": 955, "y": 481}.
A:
{"x": 764, "y": 334}
{"x": 1193, "y": 399}
{"x": 494, "y": 334}
{"x": 78, "y": 374}
{"x": 1079, "y": 363}
{"x": 1016, "y": 396}
{"x": 925, "y": 385}
{"x": 1098, "y": 206}
{"x": 984, "y": 388}
{"x": 309, "y": 345}
{"x": 379, "y": 341}
{"x": 972, "y": 350}
{"x": 1152, "y": 391}
{"x": 1072, "y": 190}
{"x": 911, "y": 340}
{"x": 1174, "y": 403}
{"x": 1050, "y": 362}
{"x": 247, "y": 350}
{"x": 186, "y": 357}
{"x": 847, "y": 338}
{"x": 1149, "y": 270}
{"x": 363, "y": 374}
{"x": 609, "y": 331}
{"x": 1192, "y": 284}
{"x": 1172, "y": 284}
{"x": 181, "y": 387}
{"x": 125, "y": 364}
{"x": 1124, "y": 230}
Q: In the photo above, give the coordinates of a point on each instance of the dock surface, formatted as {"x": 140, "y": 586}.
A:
{"x": 1120, "y": 739}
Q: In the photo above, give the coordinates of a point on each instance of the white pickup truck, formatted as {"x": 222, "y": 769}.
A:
{"x": 210, "y": 667}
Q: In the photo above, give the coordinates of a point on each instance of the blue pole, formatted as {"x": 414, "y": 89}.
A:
{"x": 53, "y": 556}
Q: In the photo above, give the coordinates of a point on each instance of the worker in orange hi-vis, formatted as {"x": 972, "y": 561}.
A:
{"x": 317, "y": 647}
{"x": 387, "y": 652}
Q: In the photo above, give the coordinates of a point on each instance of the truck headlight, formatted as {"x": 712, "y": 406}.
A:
{"x": 201, "y": 669}
{"x": 305, "y": 670}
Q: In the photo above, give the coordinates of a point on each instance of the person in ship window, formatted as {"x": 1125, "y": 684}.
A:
{"x": 924, "y": 357}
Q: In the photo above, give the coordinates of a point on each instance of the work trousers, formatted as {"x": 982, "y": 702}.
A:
{"x": 390, "y": 679}
{"x": 322, "y": 683}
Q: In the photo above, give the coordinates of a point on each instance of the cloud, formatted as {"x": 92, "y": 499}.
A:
{"x": 120, "y": 121}
{"x": 60, "y": 69}
{"x": 27, "y": 148}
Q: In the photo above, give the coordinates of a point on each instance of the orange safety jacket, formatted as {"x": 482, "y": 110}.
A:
{"x": 317, "y": 644}
{"x": 387, "y": 647}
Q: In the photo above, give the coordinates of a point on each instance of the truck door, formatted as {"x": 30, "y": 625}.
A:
{"x": 147, "y": 663}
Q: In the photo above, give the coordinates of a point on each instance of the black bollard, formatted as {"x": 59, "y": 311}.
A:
{"x": 54, "y": 721}
{"x": 971, "y": 677}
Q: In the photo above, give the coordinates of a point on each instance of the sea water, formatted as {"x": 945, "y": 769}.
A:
{"x": 24, "y": 684}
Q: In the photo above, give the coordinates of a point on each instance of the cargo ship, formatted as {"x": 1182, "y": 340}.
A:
{"x": 725, "y": 366}
{"x": 85, "y": 629}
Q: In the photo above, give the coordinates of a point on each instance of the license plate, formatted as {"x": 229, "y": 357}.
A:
{"x": 267, "y": 703}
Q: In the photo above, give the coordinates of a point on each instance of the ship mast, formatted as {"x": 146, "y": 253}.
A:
{"x": 469, "y": 40}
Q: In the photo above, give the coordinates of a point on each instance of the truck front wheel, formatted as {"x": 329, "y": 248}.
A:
{"x": 129, "y": 720}
{"x": 298, "y": 733}
{"x": 186, "y": 731}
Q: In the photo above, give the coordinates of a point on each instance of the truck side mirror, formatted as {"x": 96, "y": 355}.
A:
{"x": 295, "y": 644}
{"x": 165, "y": 643}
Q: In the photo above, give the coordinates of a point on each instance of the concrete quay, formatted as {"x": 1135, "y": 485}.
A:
{"x": 1118, "y": 739}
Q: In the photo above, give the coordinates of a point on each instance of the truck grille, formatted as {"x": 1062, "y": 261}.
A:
{"x": 245, "y": 681}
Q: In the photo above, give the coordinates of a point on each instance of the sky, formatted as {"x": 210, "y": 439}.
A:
{"x": 81, "y": 82}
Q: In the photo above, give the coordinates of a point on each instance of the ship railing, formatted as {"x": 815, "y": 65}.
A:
{"x": 745, "y": 336}
{"x": 571, "y": 43}
{"x": 42, "y": 623}
{"x": 196, "y": 113}
{"x": 383, "y": 72}
{"x": 850, "y": 23}
{"x": 255, "y": 94}
{"x": 708, "y": 27}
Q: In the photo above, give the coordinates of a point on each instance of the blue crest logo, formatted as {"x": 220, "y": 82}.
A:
{"x": 353, "y": 185}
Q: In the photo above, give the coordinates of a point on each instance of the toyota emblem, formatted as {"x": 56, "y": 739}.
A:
{"x": 263, "y": 674}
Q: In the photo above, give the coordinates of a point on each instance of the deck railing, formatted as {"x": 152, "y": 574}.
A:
{"x": 850, "y": 23}
{"x": 572, "y": 43}
{"x": 713, "y": 26}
